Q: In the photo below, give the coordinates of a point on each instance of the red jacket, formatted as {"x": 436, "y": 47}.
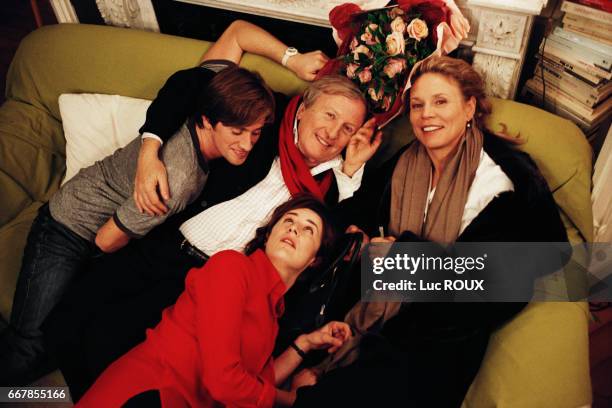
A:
{"x": 212, "y": 347}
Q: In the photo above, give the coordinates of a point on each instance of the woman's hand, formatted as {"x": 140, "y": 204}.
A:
{"x": 380, "y": 251}
{"x": 307, "y": 66}
{"x": 361, "y": 147}
{"x": 151, "y": 173}
{"x": 304, "y": 378}
{"x": 366, "y": 240}
{"x": 331, "y": 336}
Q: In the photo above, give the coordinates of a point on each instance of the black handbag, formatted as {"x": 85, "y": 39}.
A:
{"x": 310, "y": 304}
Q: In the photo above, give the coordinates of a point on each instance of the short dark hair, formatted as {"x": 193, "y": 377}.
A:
{"x": 235, "y": 97}
{"x": 302, "y": 200}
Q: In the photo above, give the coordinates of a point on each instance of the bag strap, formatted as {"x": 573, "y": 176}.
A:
{"x": 342, "y": 264}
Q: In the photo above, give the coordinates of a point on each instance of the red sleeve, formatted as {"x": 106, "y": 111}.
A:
{"x": 220, "y": 293}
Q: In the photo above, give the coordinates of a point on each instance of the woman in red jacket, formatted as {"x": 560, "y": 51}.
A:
{"x": 214, "y": 346}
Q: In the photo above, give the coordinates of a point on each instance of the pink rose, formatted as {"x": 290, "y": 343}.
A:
{"x": 394, "y": 66}
{"x": 362, "y": 49}
{"x": 375, "y": 96}
{"x": 398, "y": 25}
{"x": 395, "y": 43}
{"x": 367, "y": 38}
{"x": 417, "y": 29}
{"x": 365, "y": 75}
{"x": 350, "y": 70}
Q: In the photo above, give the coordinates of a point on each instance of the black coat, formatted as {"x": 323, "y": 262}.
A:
{"x": 529, "y": 214}
{"x": 429, "y": 353}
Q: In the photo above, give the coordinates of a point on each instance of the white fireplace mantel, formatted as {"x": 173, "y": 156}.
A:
{"x": 498, "y": 38}
{"x": 500, "y": 33}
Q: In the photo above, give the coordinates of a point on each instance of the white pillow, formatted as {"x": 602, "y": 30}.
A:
{"x": 96, "y": 125}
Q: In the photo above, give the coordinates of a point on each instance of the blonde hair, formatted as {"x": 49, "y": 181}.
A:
{"x": 333, "y": 85}
{"x": 469, "y": 81}
{"x": 471, "y": 85}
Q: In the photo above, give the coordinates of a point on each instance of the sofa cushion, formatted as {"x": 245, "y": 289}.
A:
{"x": 515, "y": 354}
{"x": 96, "y": 125}
{"x": 561, "y": 152}
{"x": 81, "y": 58}
{"x": 12, "y": 243}
{"x": 31, "y": 157}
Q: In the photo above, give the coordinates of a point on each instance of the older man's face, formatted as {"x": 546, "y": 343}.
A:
{"x": 325, "y": 128}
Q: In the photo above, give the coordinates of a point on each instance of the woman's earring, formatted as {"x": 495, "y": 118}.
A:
{"x": 468, "y": 125}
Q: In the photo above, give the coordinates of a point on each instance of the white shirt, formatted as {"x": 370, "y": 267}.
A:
{"x": 232, "y": 224}
{"x": 489, "y": 182}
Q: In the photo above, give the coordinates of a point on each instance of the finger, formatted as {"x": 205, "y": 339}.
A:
{"x": 158, "y": 206}
{"x": 342, "y": 333}
{"x": 370, "y": 123}
{"x": 151, "y": 199}
{"x": 345, "y": 329}
{"x": 378, "y": 139}
{"x": 137, "y": 202}
{"x": 164, "y": 189}
{"x": 353, "y": 228}
{"x": 360, "y": 139}
{"x": 333, "y": 349}
{"x": 331, "y": 340}
{"x": 148, "y": 207}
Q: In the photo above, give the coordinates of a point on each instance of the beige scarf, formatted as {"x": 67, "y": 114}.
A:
{"x": 409, "y": 191}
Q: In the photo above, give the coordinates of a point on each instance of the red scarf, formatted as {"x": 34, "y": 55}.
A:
{"x": 295, "y": 171}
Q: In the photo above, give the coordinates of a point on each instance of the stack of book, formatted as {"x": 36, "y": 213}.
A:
{"x": 574, "y": 71}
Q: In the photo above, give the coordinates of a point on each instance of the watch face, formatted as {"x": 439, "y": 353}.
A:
{"x": 291, "y": 51}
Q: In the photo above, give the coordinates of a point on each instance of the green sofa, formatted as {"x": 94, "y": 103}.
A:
{"x": 540, "y": 359}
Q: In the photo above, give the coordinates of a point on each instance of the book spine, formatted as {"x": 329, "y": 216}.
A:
{"x": 595, "y": 90}
{"x": 576, "y": 62}
{"x": 554, "y": 62}
{"x": 586, "y": 55}
{"x": 568, "y": 103}
{"x": 573, "y": 94}
{"x": 570, "y": 86}
{"x": 588, "y": 33}
{"x": 595, "y": 46}
{"x": 560, "y": 101}
{"x": 558, "y": 109}
{"x": 592, "y": 114}
{"x": 586, "y": 11}
{"x": 587, "y": 23}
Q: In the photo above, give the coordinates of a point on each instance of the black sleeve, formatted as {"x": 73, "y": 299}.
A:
{"x": 177, "y": 99}
{"x": 368, "y": 208}
{"x": 175, "y": 102}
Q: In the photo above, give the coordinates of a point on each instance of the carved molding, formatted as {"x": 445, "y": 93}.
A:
{"x": 498, "y": 73}
{"x": 502, "y": 32}
{"x": 129, "y": 13}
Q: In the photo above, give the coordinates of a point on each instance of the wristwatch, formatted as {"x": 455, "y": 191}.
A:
{"x": 289, "y": 52}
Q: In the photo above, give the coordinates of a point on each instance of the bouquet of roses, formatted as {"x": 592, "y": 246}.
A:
{"x": 386, "y": 45}
{"x": 378, "y": 48}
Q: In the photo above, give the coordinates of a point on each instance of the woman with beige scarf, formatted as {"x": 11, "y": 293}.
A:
{"x": 456, "y": 182}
